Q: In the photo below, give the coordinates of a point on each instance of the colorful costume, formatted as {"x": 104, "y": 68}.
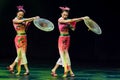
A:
{"x": 21, "y": 43}
{"x": 64, "y": 43}
{"x": 59, "y": 62}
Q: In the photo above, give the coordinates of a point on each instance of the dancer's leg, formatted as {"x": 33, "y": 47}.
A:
{"x": 55, "y": 68}
{"x": 24, "y": 58}
{"x": 63, "y": 58}
{"x": 27, "y": 70}
{"x": 71, "y": 72}
{"x": 19, "y": 54}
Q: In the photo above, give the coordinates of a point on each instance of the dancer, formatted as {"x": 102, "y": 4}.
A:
{"x": 64, "y": 24}
{"x": 21, "y": 24}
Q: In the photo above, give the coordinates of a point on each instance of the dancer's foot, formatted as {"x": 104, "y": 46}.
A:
{"x": 17, "y": 74}
{"x": 26, "y": 73}
{"x": 53, "y": 74}
{"x": 10, "y": 69}
{"x": 72, "y": 75}
{"x": 65, "y": 74}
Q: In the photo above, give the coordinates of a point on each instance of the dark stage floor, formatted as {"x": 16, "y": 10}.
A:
{"x": 43, "y": 73}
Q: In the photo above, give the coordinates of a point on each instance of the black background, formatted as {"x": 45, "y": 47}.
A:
{"x": 86, "y": 47}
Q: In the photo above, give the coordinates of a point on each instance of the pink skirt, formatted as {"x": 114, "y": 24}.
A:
{"x": 63, "y": 43}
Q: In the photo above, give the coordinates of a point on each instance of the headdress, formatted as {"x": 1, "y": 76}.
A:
{"x": 64, "y": 8}
{"x": 20, "y": 8}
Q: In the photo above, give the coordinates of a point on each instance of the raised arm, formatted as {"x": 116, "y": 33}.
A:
{"x": 24, "y": 20}
{"x": 70, "y": 20}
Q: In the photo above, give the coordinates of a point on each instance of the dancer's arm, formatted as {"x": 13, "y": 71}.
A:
{"x": 33, "y": 18}
{"x": 24, "y": 20}
{"x": 70, "y": 20}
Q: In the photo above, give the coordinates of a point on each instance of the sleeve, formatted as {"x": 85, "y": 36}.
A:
{"x": 60, "y": 19}
{"x": 27, "y": 25}
{"x": 73, "y": 25}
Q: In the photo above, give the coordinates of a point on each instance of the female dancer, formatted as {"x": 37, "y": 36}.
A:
{"x": 20, "y": 24}
{"x": 64, "y": 24}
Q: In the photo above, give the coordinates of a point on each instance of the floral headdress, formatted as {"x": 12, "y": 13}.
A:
{"x": 20, "y": 8}
{"x": 64, "y": 8}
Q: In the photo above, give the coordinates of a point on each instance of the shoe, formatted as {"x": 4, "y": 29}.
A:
{"x": 53, "y": 74}
{"x": 17, "y": 74}
{"x": 72, "y": 75}
{"x": 65, "y": 74}
{"x": 26, "y": 73}
{"x": 10, "y": 70}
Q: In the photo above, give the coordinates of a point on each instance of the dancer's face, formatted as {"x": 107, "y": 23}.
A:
{"x": 20, "y": 14}
{"x": 65, "y": 14}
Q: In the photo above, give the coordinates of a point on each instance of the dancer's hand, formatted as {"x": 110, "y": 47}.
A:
{"x": 36, "y": 17}
{"x": 79, "y": 19}
{"x": 86, "y": 17}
